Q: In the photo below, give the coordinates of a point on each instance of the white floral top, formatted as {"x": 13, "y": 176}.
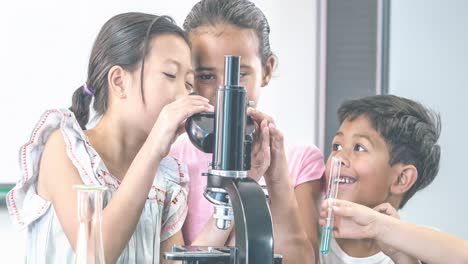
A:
{"x": 162, "y": 216}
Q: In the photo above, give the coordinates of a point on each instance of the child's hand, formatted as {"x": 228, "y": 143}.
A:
{"x": 278, "y": 170}
{"x": 261, "y": 155}
{"x": 268, "y": 154}
{"x": 172, "y": 118}
{"x": 355, "y": 221}
{"x": 351, "y": 220}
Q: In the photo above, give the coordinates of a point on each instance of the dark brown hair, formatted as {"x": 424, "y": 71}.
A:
{"x": 123, "y": 40}
{"x": 240, "y": 13}
{"x": 410, "y": 130}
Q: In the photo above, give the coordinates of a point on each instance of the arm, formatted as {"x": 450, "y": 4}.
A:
{"x": 308, "y": 169}
{"x": 120, "y": 217}
{"x": 290, "y": 238}
{"x": 166, "y": 246}
{"x": 307, "y": 196}
{"x": 428, "y": 245}
{"x": 213, "y": 236}
{"x": 396, "y": 255}
{"x": 357, "y": 221}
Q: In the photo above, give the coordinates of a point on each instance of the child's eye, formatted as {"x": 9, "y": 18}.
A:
{"x": 172, "y": 76}
{"x": 359, "y": 147}
{"x": 205, "y": 77}
{"x": 337, "y": 147}
{"x": 243, "y": 74}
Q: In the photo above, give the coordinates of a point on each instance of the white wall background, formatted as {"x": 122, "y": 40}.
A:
{"x": 45, "y": 46}
{"x": 429, "y": 63}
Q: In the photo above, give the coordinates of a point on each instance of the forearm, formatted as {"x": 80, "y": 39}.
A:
{"x": 166, "y": 246}
{"x": 123, "y": 212}
{"x": 307, "y": 196}
{"x": 212, "y": 236}
{"x": 422, "y": 243}
{"x": 291, "y": 240}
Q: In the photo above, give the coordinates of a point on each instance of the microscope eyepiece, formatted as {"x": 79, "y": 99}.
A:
{"x": 231, "y": 70}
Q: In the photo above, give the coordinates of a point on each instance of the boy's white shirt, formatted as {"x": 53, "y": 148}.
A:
{"x": 338, "y": 256}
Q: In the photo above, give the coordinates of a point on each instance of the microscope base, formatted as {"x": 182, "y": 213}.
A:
{"x": 207, "y": 255}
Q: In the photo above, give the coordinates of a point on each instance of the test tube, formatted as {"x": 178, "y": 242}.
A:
{"x": 332, "y": 193}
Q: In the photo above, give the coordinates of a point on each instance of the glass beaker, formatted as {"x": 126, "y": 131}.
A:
{"x": 89, "y": 245}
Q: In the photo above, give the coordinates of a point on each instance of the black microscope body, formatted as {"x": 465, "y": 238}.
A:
{"x": 228, "y": 133}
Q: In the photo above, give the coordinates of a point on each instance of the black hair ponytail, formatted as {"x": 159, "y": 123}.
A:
{"x": 80, "y": 106}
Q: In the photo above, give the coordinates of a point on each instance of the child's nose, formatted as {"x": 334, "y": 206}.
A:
{"x": 344, "y": 159}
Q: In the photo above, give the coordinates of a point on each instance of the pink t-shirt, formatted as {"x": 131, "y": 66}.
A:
{"x": 305, "y": 164}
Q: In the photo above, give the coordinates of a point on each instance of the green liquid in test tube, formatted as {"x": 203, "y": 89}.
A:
{"x": 332, "y": 193}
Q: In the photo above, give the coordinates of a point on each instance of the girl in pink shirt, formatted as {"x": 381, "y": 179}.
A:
{"x": 217, "y": 28}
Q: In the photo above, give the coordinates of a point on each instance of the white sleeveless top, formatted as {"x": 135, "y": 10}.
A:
{"x": 162, "y": 216}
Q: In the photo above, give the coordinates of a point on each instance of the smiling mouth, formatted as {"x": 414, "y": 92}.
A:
{"x": 346, "y": 180}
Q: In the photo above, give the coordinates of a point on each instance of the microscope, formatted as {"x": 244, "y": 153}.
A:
{"x": 228, "y": 133}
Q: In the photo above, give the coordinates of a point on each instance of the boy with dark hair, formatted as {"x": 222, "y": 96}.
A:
{"x": 389, "y": 151}
{"x": 410, "y": 132}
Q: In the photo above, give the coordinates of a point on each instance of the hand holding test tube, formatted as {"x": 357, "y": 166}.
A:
{"x": 332, "y": 193}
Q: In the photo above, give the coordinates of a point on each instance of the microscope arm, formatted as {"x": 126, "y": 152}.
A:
{"x": 253, "y": 226}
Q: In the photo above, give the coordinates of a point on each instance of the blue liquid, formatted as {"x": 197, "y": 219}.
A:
{"x": 325, "y": 240}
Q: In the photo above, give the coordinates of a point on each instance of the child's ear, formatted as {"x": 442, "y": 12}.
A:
{"x": 115, "y": 79}
{"x": 268, "y": 70}
{"x": 405, "y": 180}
